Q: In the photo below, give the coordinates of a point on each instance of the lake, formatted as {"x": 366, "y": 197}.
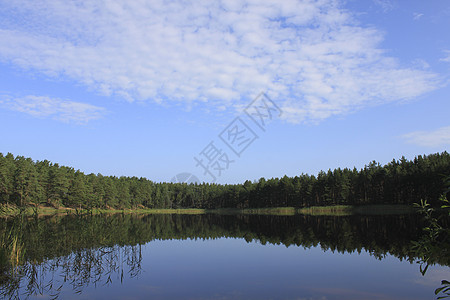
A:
{"x": 212, "y": 256}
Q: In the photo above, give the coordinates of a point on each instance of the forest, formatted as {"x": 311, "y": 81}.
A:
{"x": 25, "y": 182}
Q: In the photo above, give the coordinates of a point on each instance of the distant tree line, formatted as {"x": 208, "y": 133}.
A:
{"x": 25, "y": 182}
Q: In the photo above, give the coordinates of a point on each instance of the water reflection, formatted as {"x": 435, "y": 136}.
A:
{"x": 52, "y": 254}
{"x": 80, "y": 269}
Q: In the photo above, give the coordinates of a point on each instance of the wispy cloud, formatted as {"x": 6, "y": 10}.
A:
{"x": 386, "y": 5}
{"x": 447, "y": 56}
{"x": 435, "y": 138}
{"x": 58, "y": 109}
{"x": 313, "y": 57}
{"x": 417, "y": 16}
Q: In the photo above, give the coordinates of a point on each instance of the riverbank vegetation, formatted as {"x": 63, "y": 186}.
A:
{"x": 334, "y": 210}
{"x": 36, "y": 184}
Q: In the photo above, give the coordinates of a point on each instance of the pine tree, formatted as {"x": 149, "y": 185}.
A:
{"x": 25, "y": 182}
{"x": 77, "y": 194}
{"x": 7, "y": 170}
{"x": 110, "y": 189}
{"x": 59, "y": 183}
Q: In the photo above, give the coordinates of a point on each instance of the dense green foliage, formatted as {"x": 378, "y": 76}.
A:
{"x": 435, "y": 242}
{"x": 25, "y": 182}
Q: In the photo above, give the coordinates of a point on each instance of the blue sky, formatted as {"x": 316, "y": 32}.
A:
{"x": 140, "y": 88}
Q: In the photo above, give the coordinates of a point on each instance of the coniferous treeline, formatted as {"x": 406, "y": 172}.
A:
{"x": 26, "y": 182}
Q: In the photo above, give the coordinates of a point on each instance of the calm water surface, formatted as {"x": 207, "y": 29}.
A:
{"x": 219, "y": 257}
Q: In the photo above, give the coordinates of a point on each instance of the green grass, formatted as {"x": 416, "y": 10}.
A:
{"x": 197, "y": 211}
{"x": 12, "y": 210}
{"x": 336, "y": 210}
{"x": 281, "y": 211}
{"x": 189, "y": 211}
{"x": 345, "y": 210}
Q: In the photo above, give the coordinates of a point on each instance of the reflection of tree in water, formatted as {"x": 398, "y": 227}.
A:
{"x": 78, "y": 270}
{"x": 83, "y": 251}
{"x": 41, "y": 256}
{"x": 435, "y": 242}
{"x": 12, "y": 251}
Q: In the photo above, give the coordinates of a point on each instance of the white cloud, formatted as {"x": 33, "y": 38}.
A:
{"x": 436, "y": 138}
{"x": 447, "y": 58}
{"x": 386, "y": 5}
{"x": 62, "y": 110}
{"x": 311, "y": 57}
{"x": 417, "y": 16}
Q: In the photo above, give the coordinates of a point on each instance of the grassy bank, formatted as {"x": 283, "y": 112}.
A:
{"x": 187, "y": 211}
{"x": 337, "y": 210}
{"x": 344, "y": 210}
{"x": 12, "y": 210}
{"x": 197, "y": 211}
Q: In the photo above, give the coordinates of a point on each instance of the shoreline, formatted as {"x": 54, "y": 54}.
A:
{"x": 336, "y": 210}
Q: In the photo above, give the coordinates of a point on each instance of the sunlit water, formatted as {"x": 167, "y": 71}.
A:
{"x": 221, "y": 267}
